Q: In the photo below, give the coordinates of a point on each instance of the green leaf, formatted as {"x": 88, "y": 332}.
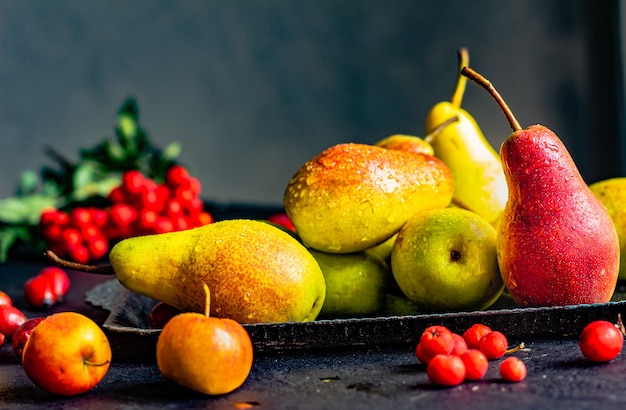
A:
{"x": 172, "y": 151}
{"x": 28, "y": 183}
{"x": 8, "y": 237}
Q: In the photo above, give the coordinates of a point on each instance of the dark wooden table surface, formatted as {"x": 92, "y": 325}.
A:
{"x": 360, "y": 378}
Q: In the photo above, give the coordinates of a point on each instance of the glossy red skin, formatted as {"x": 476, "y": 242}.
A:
{"x": 493, "y": 345}
{"x": 436, "y": 340}
{"x": 10, "y": 319}
{"x": 60, "y": 280}
{"x": 446, "y": 370}
{"x": 600, "y": 341}
{"x": 474, "y": 333}
{"x": 5, "y": 300}
{"x": 513, "y": 369}
{"x": 476, "y": 364}
{"x": 39, "y": 292}
{"x": 21, "y": 335}
{"x": 556, "y": 242}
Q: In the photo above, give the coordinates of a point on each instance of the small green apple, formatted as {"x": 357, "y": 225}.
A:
{"x": 445, "y": 260}
{"x": 356, "y": 283}
{"x": 612, "y": 193}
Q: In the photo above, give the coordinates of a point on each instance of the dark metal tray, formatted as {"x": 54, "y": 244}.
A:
{"x": 129, "y": 312}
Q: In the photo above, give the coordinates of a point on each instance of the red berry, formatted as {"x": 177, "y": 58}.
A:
{"x": 98, "y": 217}
{"x": 39, "y": 292}
{"x": 79, "y": 254}
{"x": 71, "y": 237}
{"x": 512, "y": 369}
{"x": 133, "y": 182}
{"x": 420, "y": 355}
{"x": 436, "y": 340}
{"x": 194, "y": 186}
{"x": 59, "y": 279}
{"x": 476, "y": 364}
{"x": 473, "y": 335}
{"x": 601, "y": 341}
{"x": 163, "y": 225}
{"x": 80, "y": 217}
{"x": 176, "y": 175}
{"x": 446, "y": 370}
{"x": 97, "y": 248}
{"x": 5, "y": 300}
{"x": 10, "y": 319}
{"x": 123, "y": 215}
{"x": 204, "y": 218}
{"x": 493, "y": 345}
{"x": 460, "y": 347}
{"x": 147, "y": 218}
{"x": 117, "y": 195}
{"x": 173, "y": 207}
{"x": 186, "y": 195}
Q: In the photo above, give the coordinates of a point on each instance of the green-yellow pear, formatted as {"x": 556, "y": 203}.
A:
{"x": 351, "y": 196}
{"x": 256, "y": 273}
{"x": 382, "y": 251}
{"x": 356, "y": 283}
{"x": 479, "y": 182}
{"x": 612, "y": 193}
{"x": 445, "y": 260}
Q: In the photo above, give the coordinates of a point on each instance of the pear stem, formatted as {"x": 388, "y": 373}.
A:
{"x": 459, "y": 87}
{"x": 486, "y": 84}
{"x": 440, "y": 128}
{"x": 62, "y": 263}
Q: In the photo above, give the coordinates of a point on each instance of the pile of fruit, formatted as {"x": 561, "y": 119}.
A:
{"x": 404, "y": 226}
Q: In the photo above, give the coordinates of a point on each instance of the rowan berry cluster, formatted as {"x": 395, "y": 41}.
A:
{"x": 451, "y": 358}
{"x": 138, "y": 206}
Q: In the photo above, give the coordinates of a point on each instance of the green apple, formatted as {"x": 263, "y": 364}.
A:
{"x": 445, "y": 260}
{"x": 612, "y": 193}
{"x": 356, "y": 283}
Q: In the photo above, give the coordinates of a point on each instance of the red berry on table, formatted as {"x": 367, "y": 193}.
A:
{"x": 460, "y": 346}
{"x": 79, "y": 254}
{"x": 420, "y": 355}
{"x": 10, "y": 319}
{"x": 493, "y": 345}
{"x": 80, "y": 217}
{"x": 39, "y": 292}
{"x": 601, "y": 341}
{"x": 513, "y": 369}
{"x": 473, "y": 335}
{"x": 446, "y": 370}
{"x": 436, "y": 340}
{"x": 476, "y": 364}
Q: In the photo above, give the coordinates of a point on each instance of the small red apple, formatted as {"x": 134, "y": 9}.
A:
{"x": 39, "y": 292}
{"x": 206, "y": 354}
{"x": 66, "y": 354}
{"x": 10, "y": 319}
{"x": 60, "y": 281}
{"x": 21, "y": 335}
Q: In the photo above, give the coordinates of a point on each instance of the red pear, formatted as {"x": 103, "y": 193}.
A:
{"x": 556, "y": 242}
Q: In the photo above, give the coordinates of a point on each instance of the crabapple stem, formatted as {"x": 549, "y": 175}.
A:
{"x": 515, "y": 349}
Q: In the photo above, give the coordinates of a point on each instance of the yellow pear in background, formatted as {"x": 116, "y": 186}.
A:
{"x": 351, "y": 196}
{"x": 480, "y": 185}
{"x": 612, "y": 193}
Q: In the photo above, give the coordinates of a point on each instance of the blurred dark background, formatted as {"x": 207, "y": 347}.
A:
{"x": 253, "y": 89}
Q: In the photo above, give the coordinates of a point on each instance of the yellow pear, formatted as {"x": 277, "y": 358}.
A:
{"x": 612, "y": 193}
{"x": 351, "y": 196}
{"x": 480, "y": 185}
{"x": 256, "y": 273}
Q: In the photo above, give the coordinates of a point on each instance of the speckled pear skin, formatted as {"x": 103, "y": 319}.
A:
{"x": 256, "y": 273}
{"x": 556, "y": 242}
{"x": 351, "y": 196}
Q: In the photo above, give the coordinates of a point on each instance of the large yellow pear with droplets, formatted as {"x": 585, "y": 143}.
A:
{"x": 351, "y": 196}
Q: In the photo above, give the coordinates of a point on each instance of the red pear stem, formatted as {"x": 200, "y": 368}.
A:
{"x": 486, "y": 84}
{"x": 62, "y": 263}
{"x": 459, "y": 87}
